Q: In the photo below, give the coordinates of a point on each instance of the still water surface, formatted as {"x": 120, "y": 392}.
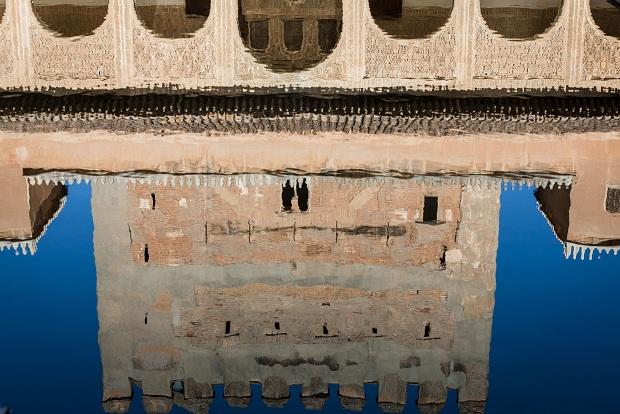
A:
{"x": 89, "y": 309}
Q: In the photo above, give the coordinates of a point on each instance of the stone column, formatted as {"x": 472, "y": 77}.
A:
{"x": 226, "y": 31}
{"x": 21, "y": 14}
{"x": 123, "y": 42}
{"x": 353, "y": 33}
{"x": 465, "y": 42}
{"x": 573, "y": 53}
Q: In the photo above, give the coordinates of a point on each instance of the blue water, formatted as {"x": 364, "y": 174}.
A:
{"x": 554, "y": 345}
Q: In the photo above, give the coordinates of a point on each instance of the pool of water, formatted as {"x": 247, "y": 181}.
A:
{"x": 439, "y": 296}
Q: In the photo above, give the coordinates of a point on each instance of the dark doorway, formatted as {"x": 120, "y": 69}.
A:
{"x": 430, "y": 209}
{"x": 288, "y": 192}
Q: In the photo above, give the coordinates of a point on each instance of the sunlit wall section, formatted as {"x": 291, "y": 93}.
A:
{"x": 69, "y": 18}
{"x": 289, "y": 36}
{"x": 606, "y": 15}
{"x": 411, "y": 19}
{"x": 520, "y": 19}
{"x": 173, "y": 18}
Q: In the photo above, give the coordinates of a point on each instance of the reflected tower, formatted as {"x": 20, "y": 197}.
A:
{"x": 208, "y": 280}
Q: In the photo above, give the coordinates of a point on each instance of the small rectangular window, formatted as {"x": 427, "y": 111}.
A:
{"x": 293, "y": 35}
{"x": 259, "y": 34}
{"x": 612, "y": 203}
{"x": 431, "y": 205}
{"x": 227, "y": 330}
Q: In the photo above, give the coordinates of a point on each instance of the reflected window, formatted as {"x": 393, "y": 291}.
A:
{"x": 289, "y": 36}
{"x": 293, "y": 35}
{"x": 173, "y": 18}
{"x": 612, "y": 204}
{"x": 69, "y": 18}
{"x": 411, "y": 19}
{"x": 606, "y": 15}
{"x": 520, "y": 19}
{"x": 430, "y": 209}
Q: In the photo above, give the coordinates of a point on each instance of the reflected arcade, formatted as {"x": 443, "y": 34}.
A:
{"x": 290, "y": 36}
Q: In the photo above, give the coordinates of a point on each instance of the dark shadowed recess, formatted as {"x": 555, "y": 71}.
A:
{"x": 411, "y": 19}
{"x": 606, "y": 14}
{"x": 175, "y": 19}
{"x": 520, "y": 19}
{"x": 290, "y": 36}
{"x": 70, "y": 18}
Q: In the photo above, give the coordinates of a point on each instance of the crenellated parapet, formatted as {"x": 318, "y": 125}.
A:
{"x": 310, "y": 44}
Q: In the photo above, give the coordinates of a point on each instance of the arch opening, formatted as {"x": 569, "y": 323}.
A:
{"x": 70, "y": 18}
{"x": 411, "y": 19}
{"x": 606, "y": 15}
{"x": 2, "y": 9}
{"x": 173, "y": 19}
{"x": 290, "y": 35}
{"x": 520, "y": 19}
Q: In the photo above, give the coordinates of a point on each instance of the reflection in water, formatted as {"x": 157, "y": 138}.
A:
{"x": 27, "y": 213}
{"x": 68, "y": 18}
{"x": 2, "y": 9}
{"x": 606, "y": 14}
{"x": 290, "y": 36}
{"x": 522, "y": 19}
{"x": 411, "y": 19}
{"x": 173, "y": 18}
{"x": 359, "y": 289}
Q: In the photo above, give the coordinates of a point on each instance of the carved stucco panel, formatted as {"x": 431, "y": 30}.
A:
{"x": 499, "y": 58}
{"x": 601, "y": 55}
{"x": 7, "y": 62}
{"x": 86, "y": 58}
{"x": 157, "y": 59}
{"x": 433, "y": 58}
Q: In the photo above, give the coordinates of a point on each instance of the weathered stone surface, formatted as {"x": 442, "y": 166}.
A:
{"x": 316, "y": 386}
{"x": 352, "y": 404}
{"x": 391, "y": 407}
{"x": 314, "y": 403}
{"x": 275, "y": 388}
{"x": 237, "y": 389}
{"x": 392, "y": 389}
{"x": 432, "y": 393}
{"x": 432, "y": 409}
{"x": 352, "y": 391}
{"x": 472, "y": 407}
{"x": 195, "y": 389}
{"x": 157, "y": 405}
{"x": 116, "y": 406}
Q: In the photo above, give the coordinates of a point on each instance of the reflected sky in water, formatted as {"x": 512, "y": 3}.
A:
{"x": 553, "y": 344}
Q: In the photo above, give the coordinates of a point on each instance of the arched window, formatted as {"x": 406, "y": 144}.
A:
{"x": 411, "y": 19}
{"x": 173, "y": 18}
{"x": 289, "y": 36}
{"x": 69, "y": 18}
{"x": 520, "y": 19}
{"x": 606, "y": 14}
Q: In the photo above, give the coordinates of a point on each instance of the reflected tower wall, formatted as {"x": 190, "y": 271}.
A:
{"x": 162, "y": 321}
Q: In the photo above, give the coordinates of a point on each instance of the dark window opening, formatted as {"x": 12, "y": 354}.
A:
{"x": 328, "y": 34}
{"x": 387, "y": 8}
{"x": 325, "y": 330}
{"x": 146, "y": 253}
{"x": 302, "y": 195}
{"x": 293, "y": 35}
{"x": 427, "y": 330}
{"x": 153, "y": 201}
{"x": 259, "y": 34}
{"x": 146, "y": 318}
{"x": 288, "y": 192}
{"x": 227, "y": 329}
{"x": 430, "y": 209}
{"x": 374, "y": 331}
{"x": 442, "y": 259}
{"x": 277, "y": 326}
{"x": 612, "y": 203}
{"x": 197, "y": 7}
